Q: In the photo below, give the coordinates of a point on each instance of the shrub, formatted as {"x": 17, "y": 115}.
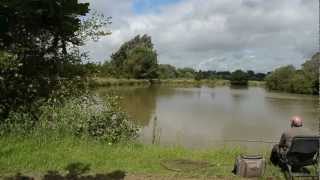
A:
{"x": 82, "y": 117}
{"x": 90, "y": 116}
{"x": 239, "y": 77}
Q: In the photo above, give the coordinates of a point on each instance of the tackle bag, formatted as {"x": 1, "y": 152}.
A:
{"x": 249, "y": 166}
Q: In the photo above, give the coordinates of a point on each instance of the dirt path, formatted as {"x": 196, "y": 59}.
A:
{"x": 131, "y": 177}
{"x": 177, "y": 177}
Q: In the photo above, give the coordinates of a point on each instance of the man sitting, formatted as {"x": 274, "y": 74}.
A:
{"x": 286, "y": 138}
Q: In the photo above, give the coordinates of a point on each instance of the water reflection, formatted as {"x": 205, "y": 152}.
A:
{"x": 139, "y": 102}
{"x": 198, "y": 117}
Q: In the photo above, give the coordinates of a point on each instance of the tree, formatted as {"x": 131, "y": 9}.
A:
{"x": 42, "y": 26}
{"x": 260, "y": 76}
{"x": 299, "y": 83}
{"x": 39, "y": 42}
{"x": 141, "y": 63}
{"x": 166, "y": 71}
{"x": 239, "y": 77}
{"x": 107, "y": 70}
{"x": 311, "y": 71}
{"x": 303, "y": 81}
{"x": 136, "y": 59}
{"x": 279, "y": 78}
{"x": 224, "y": 75}
{"x": 187, "y": 73}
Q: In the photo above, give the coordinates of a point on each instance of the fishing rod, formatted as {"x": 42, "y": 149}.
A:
{"x": 249, "y": 140}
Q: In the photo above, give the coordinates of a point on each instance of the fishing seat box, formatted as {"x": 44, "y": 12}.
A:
{"x": 250, "y": 166}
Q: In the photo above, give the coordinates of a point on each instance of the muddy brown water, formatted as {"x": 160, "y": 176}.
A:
{"x": 201, "y": 117}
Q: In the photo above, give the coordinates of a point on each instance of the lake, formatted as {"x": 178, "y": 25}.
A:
{"x": 202, "y": 117}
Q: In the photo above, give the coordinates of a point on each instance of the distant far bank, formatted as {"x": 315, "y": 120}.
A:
{"x": 109, "y": 82}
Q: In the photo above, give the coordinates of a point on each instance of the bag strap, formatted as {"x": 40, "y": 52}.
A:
{"x": 251, "y": 156}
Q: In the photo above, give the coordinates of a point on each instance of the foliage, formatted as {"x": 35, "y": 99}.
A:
{"x": 302, "y": 81}
{"x": 40, "y": 26}
{"x": 136, "y": 59}
{"x": 92, "y": 27}
{"x": 84, "y": 117}
{"x": 239, "y": 77}
{"x": 88, "y": 117}
{"x": 187, "y": 73}
{"x": 167, "y": 71}
{"x": 39, "y": 51}
{"x": 199, "y": 76}
{"x": 106, "y": 70}
{"x": 311, "y": 71}
{"x": 19, "y": 92}
{"x": 279, "y": 78}
{"x": 141, "y": 63}
{"x": 298, "y": 83}
{"x": 227, "y": 75}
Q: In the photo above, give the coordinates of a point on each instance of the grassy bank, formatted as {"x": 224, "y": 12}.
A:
{"x": 107, "y": 82}
{"x": 37, "y": 154}
{"x": 191, "y": 82}
{"x": 257, "y": 83}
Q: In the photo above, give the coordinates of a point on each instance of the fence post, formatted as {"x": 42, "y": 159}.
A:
{"x": 154, "y": 130}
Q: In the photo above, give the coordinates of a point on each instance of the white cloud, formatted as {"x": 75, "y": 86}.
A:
{"x": 194, "y": 32}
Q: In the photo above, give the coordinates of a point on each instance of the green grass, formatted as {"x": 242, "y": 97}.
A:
{"x": 38, "y": 154}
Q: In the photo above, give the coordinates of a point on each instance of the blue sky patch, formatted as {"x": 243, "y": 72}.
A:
{"x": 150, "y": 6}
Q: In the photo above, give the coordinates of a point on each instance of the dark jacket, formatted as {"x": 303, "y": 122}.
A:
{"x": 287, "y": 136}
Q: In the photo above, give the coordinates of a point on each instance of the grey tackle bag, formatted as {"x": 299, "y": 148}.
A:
{"x": 249, "y": 166}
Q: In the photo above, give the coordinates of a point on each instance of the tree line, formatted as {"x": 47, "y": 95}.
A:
{"x": 137, "y": 59}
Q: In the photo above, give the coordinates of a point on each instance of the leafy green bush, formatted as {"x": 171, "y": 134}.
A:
{"x": 88, "y": 116}
{"x": 81, "y": 117}
{"x": 239, "y": 77}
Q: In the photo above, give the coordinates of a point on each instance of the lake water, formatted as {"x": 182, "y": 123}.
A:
{"x": 204, "y": 117}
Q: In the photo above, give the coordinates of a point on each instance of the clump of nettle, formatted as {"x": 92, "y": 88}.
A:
{"x": 84, "y": 116}
{"x": 91, "y": 116}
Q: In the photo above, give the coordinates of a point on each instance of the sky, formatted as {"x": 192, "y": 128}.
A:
{"x": 258, "y": 35}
